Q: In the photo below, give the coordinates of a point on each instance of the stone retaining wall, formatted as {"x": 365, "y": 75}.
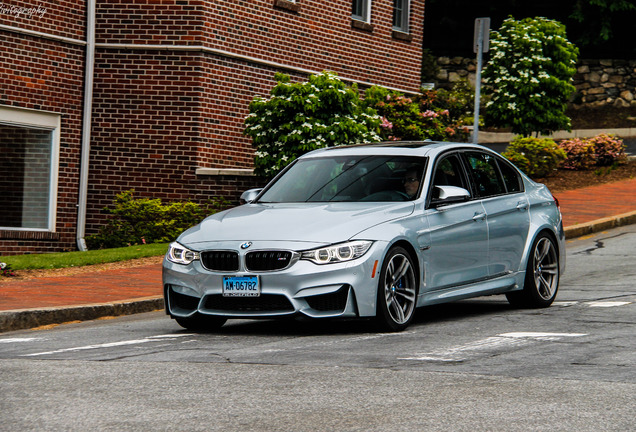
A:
{"x": 598, "y": 82}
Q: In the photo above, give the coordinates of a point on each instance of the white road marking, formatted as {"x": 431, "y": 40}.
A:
{"x": 607, "y": 304}
{"x": 109, "y": 344}
{"x": 565, "y": 303}
{"x": 542, "y": 336}
{"x": 18, "y": 340}
{"x": 495, "y": 343}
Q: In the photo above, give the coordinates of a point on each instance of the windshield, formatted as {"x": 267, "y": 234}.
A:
{"x": 349, "y": 178}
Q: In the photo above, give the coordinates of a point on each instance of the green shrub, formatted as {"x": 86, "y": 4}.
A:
{"x": 300, "y": 117}
{"x": 537, "y": 157}
{"x": 602, "y": 150}
{"x": 146, "y": 220}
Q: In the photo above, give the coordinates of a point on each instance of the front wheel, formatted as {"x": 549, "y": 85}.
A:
{"x": 201, "y": 323}
{"x": 542, "y": 276}
{"x": 397, "y": 291}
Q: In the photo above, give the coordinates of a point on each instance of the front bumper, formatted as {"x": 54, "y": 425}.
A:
{"x": 317, "y": 291}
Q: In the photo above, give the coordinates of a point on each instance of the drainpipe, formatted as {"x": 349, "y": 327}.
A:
{"x": 86, "y": 124}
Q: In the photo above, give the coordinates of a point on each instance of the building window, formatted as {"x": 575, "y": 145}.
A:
{"x": 291, "y": 5}
{"x": 361, "y": 10}
{"x": 401, "y": 15}
{"x": 29, "y": 146}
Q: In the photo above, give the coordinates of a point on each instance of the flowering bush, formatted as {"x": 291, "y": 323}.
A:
{"x": 609, "y": 149}
{"x": 601, "y": 150}
{"x": 428, "y": 115}
{"x": 535, "y": 156}
{"x": 579, "y": 154}
{"x": 300, "y": 117}
{"x": 529, "y": 76}
{"x": 5, "y": 270}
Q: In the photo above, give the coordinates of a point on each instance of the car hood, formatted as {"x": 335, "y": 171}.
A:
{"x": 296, "y": 222}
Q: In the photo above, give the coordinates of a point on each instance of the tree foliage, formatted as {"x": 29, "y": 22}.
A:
{"x": 304, "y": 116}
{"x": 598, "y": 17}
{"x": 529, "y": 76}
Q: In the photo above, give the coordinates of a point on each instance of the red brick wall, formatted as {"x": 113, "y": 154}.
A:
{"x": 160, "y": 114}
{"x": 319, "y": 36}
{"x": 45, "y": 75}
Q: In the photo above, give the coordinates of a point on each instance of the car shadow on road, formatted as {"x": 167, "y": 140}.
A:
{"x": 461, "y": 310}
{"x": 315, "y": 327}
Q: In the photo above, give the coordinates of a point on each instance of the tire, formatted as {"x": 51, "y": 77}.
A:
{"x": 201, "y": 323}
{"x": 397, "y": 291}
{"x": 542, "y": 276}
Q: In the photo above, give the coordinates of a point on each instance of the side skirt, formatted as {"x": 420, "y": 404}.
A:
{"x": 498, "y": 285}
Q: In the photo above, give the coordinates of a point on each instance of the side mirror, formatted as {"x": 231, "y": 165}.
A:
{"x": 249, "y": 195}
{"x": 448, "y": 195}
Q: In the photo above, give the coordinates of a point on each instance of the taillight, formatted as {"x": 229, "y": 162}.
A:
{"x": 556, "y": 201}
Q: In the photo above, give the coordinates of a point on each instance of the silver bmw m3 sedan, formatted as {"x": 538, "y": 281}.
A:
{"x": 371, "y": 231}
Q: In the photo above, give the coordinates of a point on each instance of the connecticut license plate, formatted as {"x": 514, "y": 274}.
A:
{"x": 241, "y": 286}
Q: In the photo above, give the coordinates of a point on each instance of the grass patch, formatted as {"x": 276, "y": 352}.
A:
{"x": 78, "y": 259}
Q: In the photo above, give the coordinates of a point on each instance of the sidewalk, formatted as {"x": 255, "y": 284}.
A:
{"x": 54, "y": 300}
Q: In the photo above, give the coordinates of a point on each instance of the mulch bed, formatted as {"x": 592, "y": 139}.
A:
{"x": 562, "y": 180}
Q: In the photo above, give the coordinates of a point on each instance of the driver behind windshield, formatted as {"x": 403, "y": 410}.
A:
{"x": 411, "y": 181}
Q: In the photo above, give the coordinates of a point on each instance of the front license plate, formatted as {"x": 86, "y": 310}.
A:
{"x": 241, "y": 286}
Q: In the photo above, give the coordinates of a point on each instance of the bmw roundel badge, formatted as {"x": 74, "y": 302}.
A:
{"x": 246, "y": 245}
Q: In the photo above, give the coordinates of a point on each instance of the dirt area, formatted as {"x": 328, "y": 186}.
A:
{"x": 568, "y": 179}
{"x": 602, "y": 118}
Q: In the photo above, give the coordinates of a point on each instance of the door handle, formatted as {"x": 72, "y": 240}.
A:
{"x": 479, "y": 216}
{"x": 522, "y": 205}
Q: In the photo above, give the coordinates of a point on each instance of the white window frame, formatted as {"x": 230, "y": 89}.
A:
{"x": 406, "y": 16}
{"x": 34, "y": 119}
{"x": 366, "y": 12}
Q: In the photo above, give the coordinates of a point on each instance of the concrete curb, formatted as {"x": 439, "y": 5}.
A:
{"x": 22, "y": 319}
{"x": 30, "y": 318}
{"x": 600, "y": 225}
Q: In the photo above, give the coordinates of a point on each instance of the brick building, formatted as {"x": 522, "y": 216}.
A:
{"x": 101, "y": 96}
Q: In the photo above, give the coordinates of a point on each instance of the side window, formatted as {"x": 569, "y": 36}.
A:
{"x": 485, "y": 174}
{"x": 511, "y": 177}
{"x": 448, "y": 172}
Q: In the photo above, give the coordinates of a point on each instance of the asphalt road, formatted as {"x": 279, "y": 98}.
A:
{"x": 475, "y": 365}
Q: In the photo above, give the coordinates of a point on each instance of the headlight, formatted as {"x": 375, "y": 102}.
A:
{"x": 337, "y": 253}
{"x": 180, "y": 254}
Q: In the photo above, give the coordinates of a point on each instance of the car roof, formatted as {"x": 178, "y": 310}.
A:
{"x": 406, "y": 148}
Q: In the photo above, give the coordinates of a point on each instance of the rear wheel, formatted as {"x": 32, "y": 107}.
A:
{"x": 397, "y": 291}
{"x": 201, "y": 323}
{"x": 542, "y": 276}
